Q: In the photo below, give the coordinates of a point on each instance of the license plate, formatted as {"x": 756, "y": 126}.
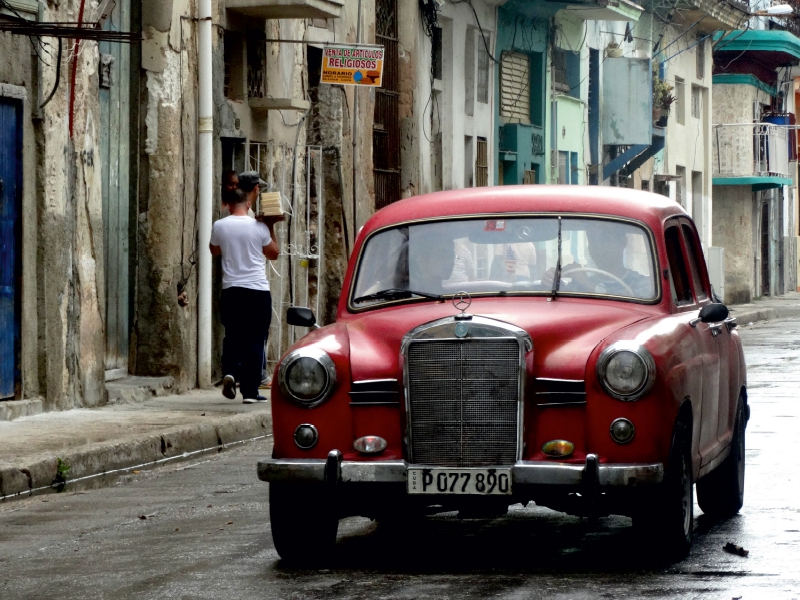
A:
{"x": 438, "y": 480}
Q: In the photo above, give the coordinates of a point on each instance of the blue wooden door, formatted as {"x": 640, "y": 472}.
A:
{"x": 10, "y": 188}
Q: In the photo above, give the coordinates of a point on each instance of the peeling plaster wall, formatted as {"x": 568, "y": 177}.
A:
{"x": 164, "y": 336}
{"x": 70, "y": 281}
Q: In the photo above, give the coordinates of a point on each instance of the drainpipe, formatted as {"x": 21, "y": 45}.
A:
{"x": 204, "y": 193}
{"x": 355, "y": 132}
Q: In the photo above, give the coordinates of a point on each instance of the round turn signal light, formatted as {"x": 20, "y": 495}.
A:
{"x": 622, "y": 431}
{"x": 558, "y": 448}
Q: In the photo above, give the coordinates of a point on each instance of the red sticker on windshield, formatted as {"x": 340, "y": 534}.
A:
{"x": 494, "y": 225}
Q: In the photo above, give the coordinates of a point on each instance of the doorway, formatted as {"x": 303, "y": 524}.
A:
{"x": 10, "y": 221}
{"x": 115, "y": 150}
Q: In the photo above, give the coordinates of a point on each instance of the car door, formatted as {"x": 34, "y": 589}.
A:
{"x": 722, "y": 334}
{"x": 698, "y": 348}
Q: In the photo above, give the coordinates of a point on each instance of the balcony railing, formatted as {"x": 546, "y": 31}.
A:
{"x": 750, "y": 150}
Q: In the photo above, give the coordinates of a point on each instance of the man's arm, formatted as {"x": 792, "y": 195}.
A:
{"x": 215, "y": 250}
{"x": 271, "y": 250}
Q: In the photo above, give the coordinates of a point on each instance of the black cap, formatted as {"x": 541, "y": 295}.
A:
{"x": 249, "y": 180}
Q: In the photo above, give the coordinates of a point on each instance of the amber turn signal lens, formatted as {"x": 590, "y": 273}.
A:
{"x": 370, "y": 444}
{"x": 558, "y": 448}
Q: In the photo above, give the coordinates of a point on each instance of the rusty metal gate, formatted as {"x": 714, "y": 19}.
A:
{"x": 386, "y": 127}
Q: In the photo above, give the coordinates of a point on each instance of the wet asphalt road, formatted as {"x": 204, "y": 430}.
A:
{"x": 206, "y": 532}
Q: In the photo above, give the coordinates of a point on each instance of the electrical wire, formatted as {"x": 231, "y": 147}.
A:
{"x": 58, "y": 75}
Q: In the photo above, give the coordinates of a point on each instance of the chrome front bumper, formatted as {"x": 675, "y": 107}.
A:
{"x": 334, "y": 471}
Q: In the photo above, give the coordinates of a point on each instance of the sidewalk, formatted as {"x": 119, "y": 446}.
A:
{"x": 122, "y": 436}
{"x": 134, "y": 434}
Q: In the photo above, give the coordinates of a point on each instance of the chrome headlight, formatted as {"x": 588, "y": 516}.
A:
{"x": 626, "y": 370}
{"x": 307, "y": 376}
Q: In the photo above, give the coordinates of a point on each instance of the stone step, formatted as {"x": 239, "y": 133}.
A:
{"x": 130, "y": 390}
{"x": 14, "y": 409}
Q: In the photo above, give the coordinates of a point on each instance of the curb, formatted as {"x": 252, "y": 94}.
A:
{"x": 97, "y": 459}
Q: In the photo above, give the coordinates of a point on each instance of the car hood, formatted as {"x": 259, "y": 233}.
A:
{"x": 564, "y": 331}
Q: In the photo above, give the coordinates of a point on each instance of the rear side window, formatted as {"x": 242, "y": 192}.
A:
{"x": 678, "y": 274}
{"x": 694, "y": 256}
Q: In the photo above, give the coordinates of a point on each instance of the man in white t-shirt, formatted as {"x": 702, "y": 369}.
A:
{"x": 246, "y": 304}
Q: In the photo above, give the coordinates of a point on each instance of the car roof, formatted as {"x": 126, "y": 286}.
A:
{"x": 601, "y": 200}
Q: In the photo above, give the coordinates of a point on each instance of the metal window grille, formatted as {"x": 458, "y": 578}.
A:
{"x": 560, "y": 70}
{"x": 515, "y": 88}
{"x": 483, "y": 71}
{"x": 256, "y": 66}
{"x": 482, "y": 164}
{"x": 386, "y": 124}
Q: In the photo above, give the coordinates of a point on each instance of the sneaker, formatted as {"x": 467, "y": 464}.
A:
{"x": 257, "y": 400}
{"x": 229, "y": 387}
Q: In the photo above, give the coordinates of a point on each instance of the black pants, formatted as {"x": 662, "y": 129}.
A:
{"x": 246, "y": 315}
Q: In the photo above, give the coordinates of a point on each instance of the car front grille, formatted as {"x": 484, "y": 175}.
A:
{"x": 463, "y": 401}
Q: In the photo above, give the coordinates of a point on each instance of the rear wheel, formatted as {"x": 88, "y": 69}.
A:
{"x": 667, "y": 521}
{"x": 721, "y": 492}
{"x": 303, "y": 521}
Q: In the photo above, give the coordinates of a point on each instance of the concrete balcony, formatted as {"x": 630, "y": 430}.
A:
{"x": 286, "y": 9}
{"x": 755, "y": 154}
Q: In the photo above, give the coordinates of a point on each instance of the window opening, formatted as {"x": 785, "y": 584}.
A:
{"x": 694, "y": 261}
{"x": 679, "y": 278}
{"x": 482, "y": 163}
{"x": 697, "y": 101}
{"x": 436, "y": 52}
{"x": 386, "y": 127}
{"x": 700, "y": 50}
{"x": 680, "y": 100}
{"x": 483, "y": 72}
{"x": 515, "y": 90}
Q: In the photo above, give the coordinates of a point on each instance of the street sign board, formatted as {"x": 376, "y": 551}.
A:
{"x": 345, "y": 64}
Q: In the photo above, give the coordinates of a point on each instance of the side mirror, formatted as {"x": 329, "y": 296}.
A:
{"x": 300, "y": 316}
{"x": 713, "y": 313}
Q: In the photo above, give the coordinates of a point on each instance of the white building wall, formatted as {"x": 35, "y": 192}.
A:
{"x": 443, "y": 110}
{"x": 688, "y": 151}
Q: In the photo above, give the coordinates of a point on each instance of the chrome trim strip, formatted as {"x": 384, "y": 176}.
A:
{"x": 560, "y": 394}
{"x": 561, "y": 404}
{"x": 386, "y": 403}
{"x": 300, "y": 470}
{"x": 366, "y": 381}
{"x": 560, "y": 380}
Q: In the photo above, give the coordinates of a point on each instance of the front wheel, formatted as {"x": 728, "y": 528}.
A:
{"x": 304, "y": 522}
{"x": 721, "y": 492}
{"x": 667, "y": 520}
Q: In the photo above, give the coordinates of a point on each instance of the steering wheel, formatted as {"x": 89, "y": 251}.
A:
{"x": 601, "y": 272}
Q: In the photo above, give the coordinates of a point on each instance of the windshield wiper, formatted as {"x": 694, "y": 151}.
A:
{"x": 557, "y": 274}
{"x": 397, "y": 293}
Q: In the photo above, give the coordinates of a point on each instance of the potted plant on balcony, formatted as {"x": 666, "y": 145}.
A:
{"x": 662, "y": 98}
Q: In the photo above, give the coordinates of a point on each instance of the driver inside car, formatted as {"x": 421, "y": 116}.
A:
{"x": 431, "y": 258}
{"x": 613, "y": 278}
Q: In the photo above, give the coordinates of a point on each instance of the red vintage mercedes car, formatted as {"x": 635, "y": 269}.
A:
{"x": 494, "y": 346}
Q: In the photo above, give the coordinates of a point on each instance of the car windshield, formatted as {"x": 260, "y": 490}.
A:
{"x": 532, "y": 255}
